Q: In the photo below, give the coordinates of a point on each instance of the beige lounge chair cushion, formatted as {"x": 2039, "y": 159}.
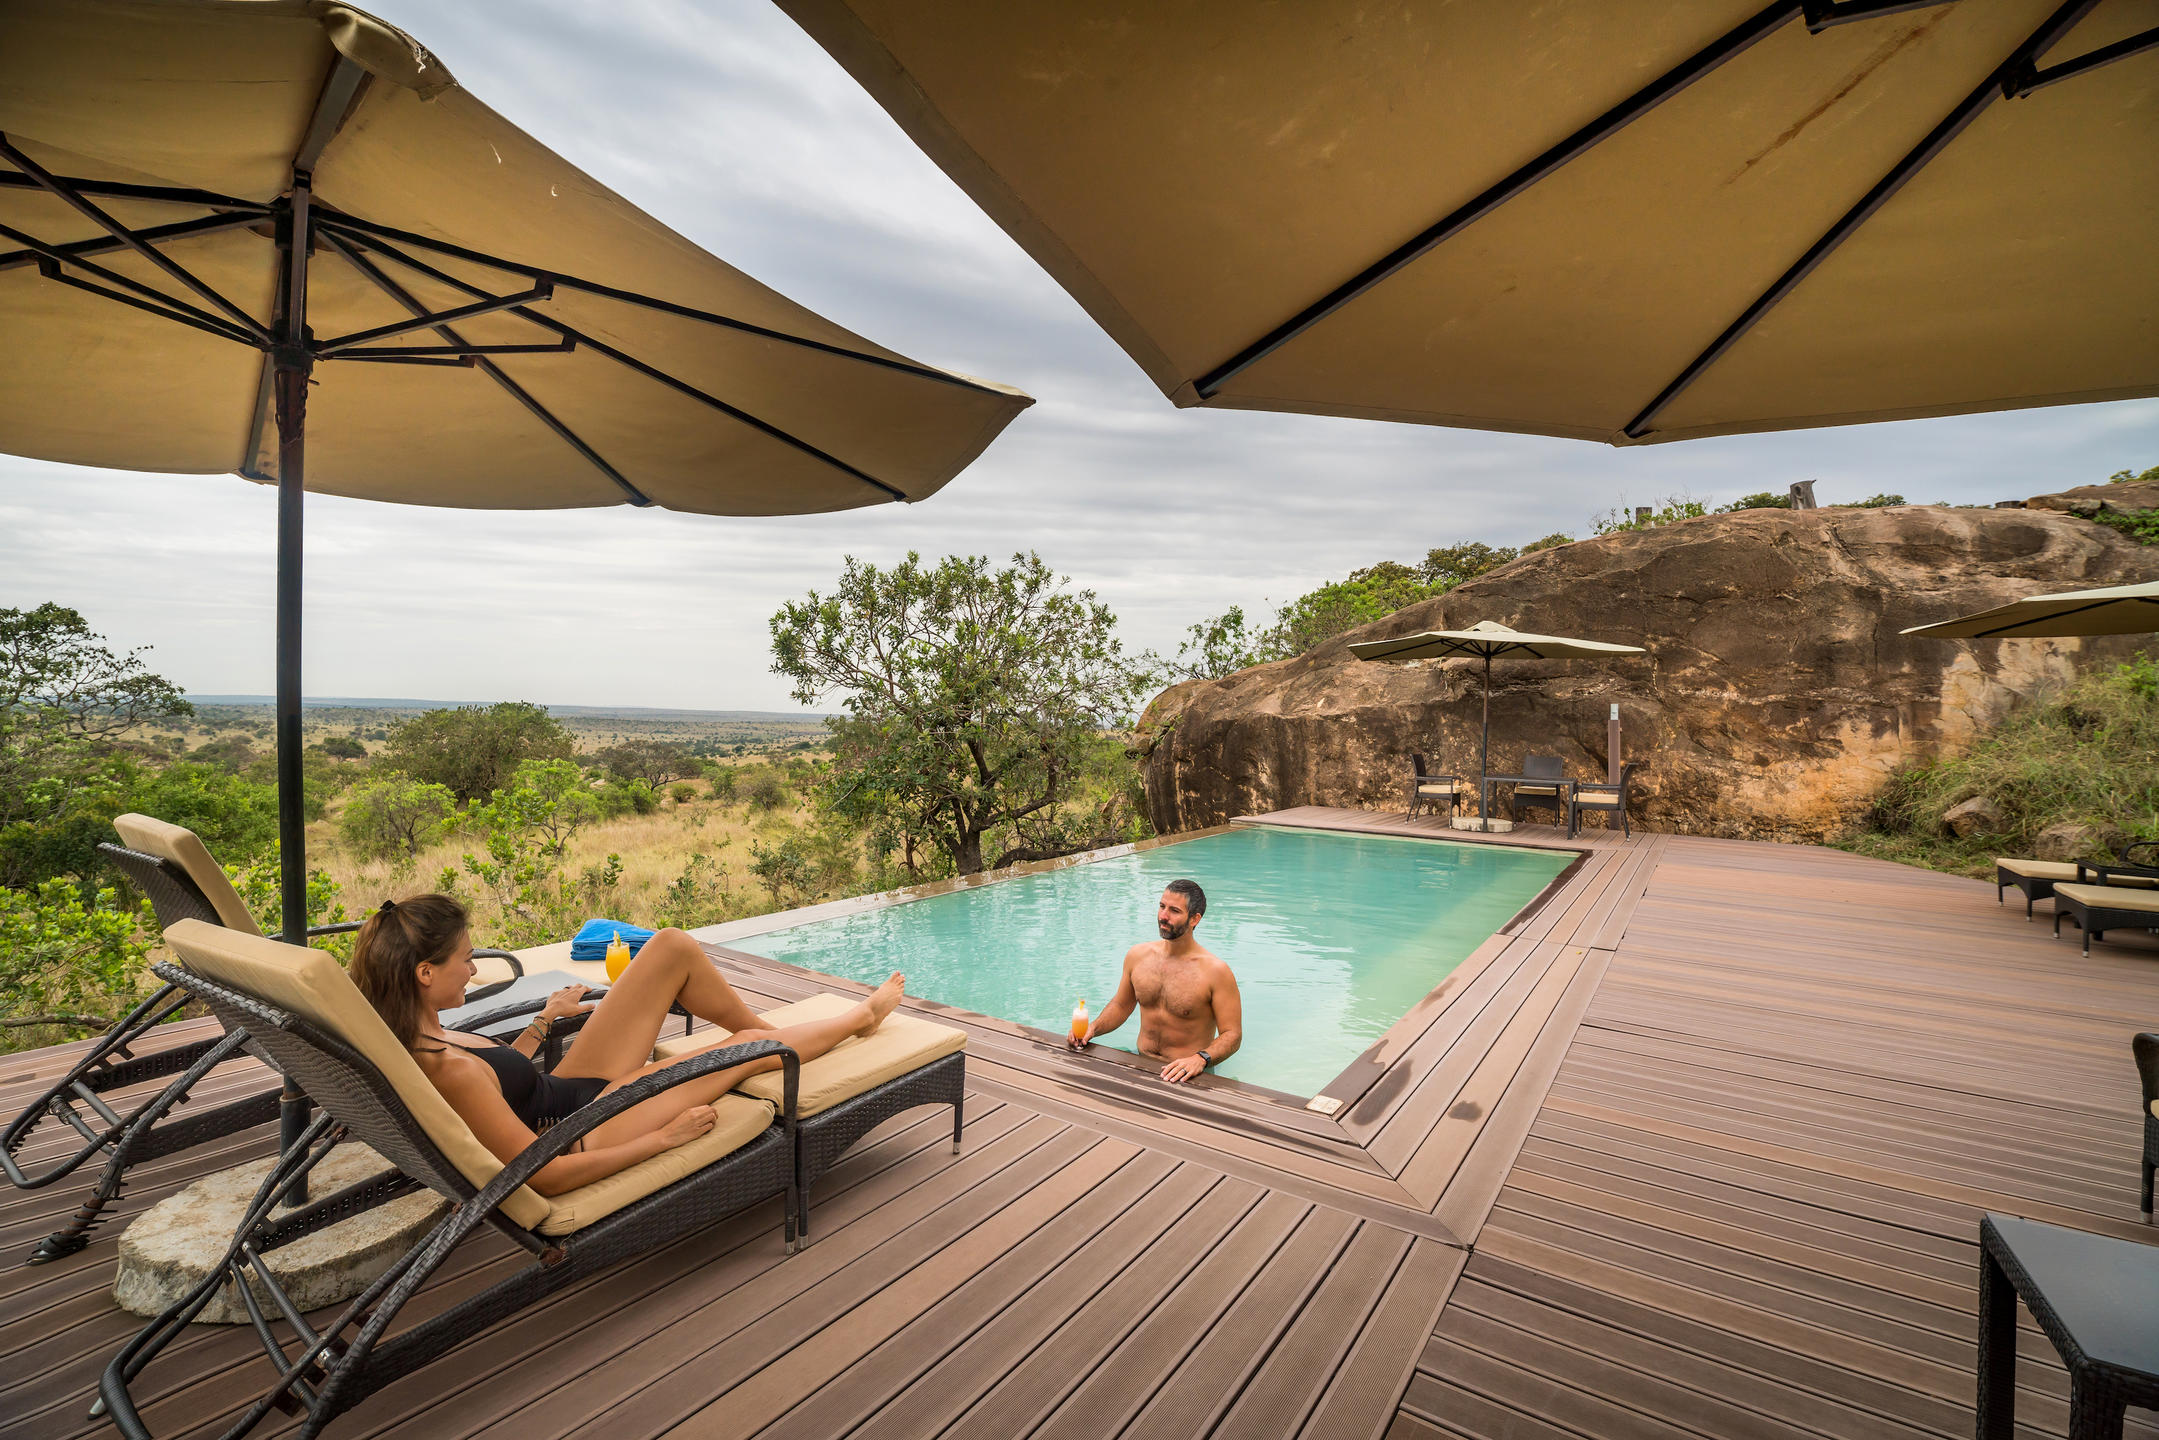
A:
{"x": 2110, "y": 897}
{"x": 852, "y": 1067}
{"x": 2064, "y": 870}
{"x": 1439, "y": 787}
{"x": 184, "y": 848}
{"x": 316, "y": 988}
{"x": 740, "y": 1120}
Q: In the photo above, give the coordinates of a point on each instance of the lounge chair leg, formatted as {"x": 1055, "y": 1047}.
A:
{"x": 957, "y": 1113}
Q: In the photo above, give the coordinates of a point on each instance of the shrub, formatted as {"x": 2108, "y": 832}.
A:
{"x": 723, "y": 778}
{"x": 547, "y": 798}
{"x": 2083, "y": 754}
{"x": 1621, "y": 520}
{"x": 2131, "y": 477}
{"x": 653, "y": 762}
{"x": 766, "y": 789}
{"x": 682, "y": 792}
{"x": 632, "y": 797}
{"x": 1876, "y": 502}
{"x": 2141, "y": 526}
{"x": 1759, "y": 500}
{"x": 344, "y": 747}
{"x": 394, "y": 817}
{"x": 259, "y": 890}
{"x": 67, "y": 964}
{"x": 784, "y": 869}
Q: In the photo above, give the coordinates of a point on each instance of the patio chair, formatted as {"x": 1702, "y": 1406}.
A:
{"x": 305, "y": 1012}
{"x": 1551, "y": 796}
{"x": 1427, "y": 790}
{"x": 1601, "y": 795}
{"x": 173, "y": 869}
{"x": 855, "y": 1086}
{"x": 2146, "y": 1050}
{"x": 2036, "y": 879}
{"x": 2100, "y": 908}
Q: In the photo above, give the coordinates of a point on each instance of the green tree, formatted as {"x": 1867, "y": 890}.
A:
{"x": 1877, "y": 502}
{"x": 474, "y": 749}
{"x": 653, "y": 762}
{"x": 344, "y": 747}
{"x": 1550, "y": 542}
{"x": 1450, "y": 565}
{"x": 1759, "y": 500}
{"x": 766, "y": 789}
{"x": 784, "y": 869}
{"x": 2132, "y": 477}
{"x": 1367, "y": 595}
{"x": 972, "y": 691}
{"x": 1215, "y": 647}
{"x": 394, "y": 817}
{"x": 723, "y": 778}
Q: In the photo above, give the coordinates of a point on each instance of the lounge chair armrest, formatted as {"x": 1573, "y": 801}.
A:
{"x": 343, "y": 927}
{"x": 517, "y": 972}
{"x": 2146, "y": 1049}
{"x": 560, "y": 1136}
{"x": 2129, "y": 850}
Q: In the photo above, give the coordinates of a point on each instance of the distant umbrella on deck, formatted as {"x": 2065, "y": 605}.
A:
{"x": 1488, "y": 641}
{"x": 278, "y": 239}
{"x": 2113, "y": 610}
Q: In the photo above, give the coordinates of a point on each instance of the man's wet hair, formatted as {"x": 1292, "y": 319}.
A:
{"x": 1195, "y": 899}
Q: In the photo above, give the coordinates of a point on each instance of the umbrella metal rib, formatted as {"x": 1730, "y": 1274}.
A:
{"x": 2002, "y": 81}
{"x": 571, "y": 336}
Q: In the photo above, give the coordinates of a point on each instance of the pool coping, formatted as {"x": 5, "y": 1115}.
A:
{"x": 1336, "y": 1097}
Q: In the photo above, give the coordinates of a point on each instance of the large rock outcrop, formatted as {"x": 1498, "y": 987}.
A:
{"x": 1776, "y": 695}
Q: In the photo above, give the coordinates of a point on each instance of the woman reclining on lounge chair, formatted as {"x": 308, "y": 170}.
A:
{"x": 413, "y": 960}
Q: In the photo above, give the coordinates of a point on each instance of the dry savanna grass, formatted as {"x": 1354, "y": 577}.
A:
{"x": 655, "y": 852}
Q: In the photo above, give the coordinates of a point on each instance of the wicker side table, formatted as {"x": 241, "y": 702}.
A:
{"x": 2096, "y": 1298}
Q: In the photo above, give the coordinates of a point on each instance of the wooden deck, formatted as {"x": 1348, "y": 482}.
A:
{"x": 1698, "y": 1149}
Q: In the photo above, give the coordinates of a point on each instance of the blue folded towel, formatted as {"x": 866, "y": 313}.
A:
{"x": 594, "y": 936}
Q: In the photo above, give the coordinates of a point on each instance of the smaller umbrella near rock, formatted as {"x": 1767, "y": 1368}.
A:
{"x": 2113, "y": 610}
{"x": 1489, "y": 640}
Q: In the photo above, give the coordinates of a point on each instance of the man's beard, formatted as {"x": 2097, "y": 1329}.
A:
{"x": 1173, "y": 932}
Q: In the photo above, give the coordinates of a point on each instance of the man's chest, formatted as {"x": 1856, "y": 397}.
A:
{"x": 1179, "y": 989}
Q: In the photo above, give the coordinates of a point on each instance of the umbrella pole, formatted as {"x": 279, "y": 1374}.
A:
{"x": 290, "y": 364}
{"x": 1484, "y": 756}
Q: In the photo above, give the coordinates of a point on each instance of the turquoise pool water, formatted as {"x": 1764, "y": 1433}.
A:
{"x": 1332, "y": 937}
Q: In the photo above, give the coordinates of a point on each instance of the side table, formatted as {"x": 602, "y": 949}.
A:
{"x": 2097, "y": 1299}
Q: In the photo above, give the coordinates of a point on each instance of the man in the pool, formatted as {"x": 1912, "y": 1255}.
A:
{"x": 1190, "y": 1014}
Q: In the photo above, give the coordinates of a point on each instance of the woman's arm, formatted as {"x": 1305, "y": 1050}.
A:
{"x": 474, "y": 1094}
{"x": 560, "y": 1006}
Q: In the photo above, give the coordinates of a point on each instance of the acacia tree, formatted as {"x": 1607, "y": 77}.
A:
{"x": 474, "y": 749}
{"x": 972, "y": 694}
{"x": 63, "y": 696}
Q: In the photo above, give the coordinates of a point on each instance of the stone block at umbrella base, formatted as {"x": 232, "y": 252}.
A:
{"x": 169, "y": 1249}
{"x": 1491, "y": 826}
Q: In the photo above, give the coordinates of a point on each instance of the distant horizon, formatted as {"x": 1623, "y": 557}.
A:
{"x": 354, "y": 702}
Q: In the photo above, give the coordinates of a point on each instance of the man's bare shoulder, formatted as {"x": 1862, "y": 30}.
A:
{"x": 1217, "y": 968}
{"x": 1145, "y": 950}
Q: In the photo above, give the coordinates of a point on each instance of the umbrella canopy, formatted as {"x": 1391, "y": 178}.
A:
{"x": 1489, "y": 641}
{"x": 1621, "y": 221}
{"x": 150, "y": 155}
{"x": 2114, "y": 610}
{"x": 241, "y": 226}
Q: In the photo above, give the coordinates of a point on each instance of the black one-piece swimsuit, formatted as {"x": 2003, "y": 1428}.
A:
{"x": 537, "y": 1098}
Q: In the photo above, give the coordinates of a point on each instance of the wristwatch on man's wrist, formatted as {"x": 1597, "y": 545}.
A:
{"x": 1205, "y": 1059}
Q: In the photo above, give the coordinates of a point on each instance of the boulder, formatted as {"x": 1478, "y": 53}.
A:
{"x": 2089, "y": 500}
{"x": 1976, "y": 816}
{"x": 1776, "y": 695}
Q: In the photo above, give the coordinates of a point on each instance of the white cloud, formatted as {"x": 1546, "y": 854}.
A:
{"x": 730, "y": 125}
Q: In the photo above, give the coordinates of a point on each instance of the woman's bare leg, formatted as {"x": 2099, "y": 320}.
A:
{"x": 670, "y": 967}
{"x": 808, "y": 1040}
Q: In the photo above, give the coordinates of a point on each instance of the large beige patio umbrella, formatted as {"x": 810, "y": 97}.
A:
{"x": 228, "y": 210}
{"x": 1488, "y": 640}
{"x": 2113, "y": 610}
{"x": 1606, "y": 219}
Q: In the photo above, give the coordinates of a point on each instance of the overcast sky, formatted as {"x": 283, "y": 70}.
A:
{"x": 727, "y": 123}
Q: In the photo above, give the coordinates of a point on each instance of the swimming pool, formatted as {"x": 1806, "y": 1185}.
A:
{"x": 1332, "y": 937}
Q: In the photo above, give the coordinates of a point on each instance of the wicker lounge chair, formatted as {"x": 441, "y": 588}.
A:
{"x": 2036, "y": 879}
{"x": 2100, "y": 908}
{"x": 172, "y": 868}
{"x": 303, "y": 1010}
{"x": 855, "y": 1086}
{"x": 2146, "y": 1049}
{"x": 1551, "y": 796}
{"x": 1431, "y": 791}
{"x": 1601, "y": 795}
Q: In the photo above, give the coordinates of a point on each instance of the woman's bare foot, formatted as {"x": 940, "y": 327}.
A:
{"x": 883, "y": 1001}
